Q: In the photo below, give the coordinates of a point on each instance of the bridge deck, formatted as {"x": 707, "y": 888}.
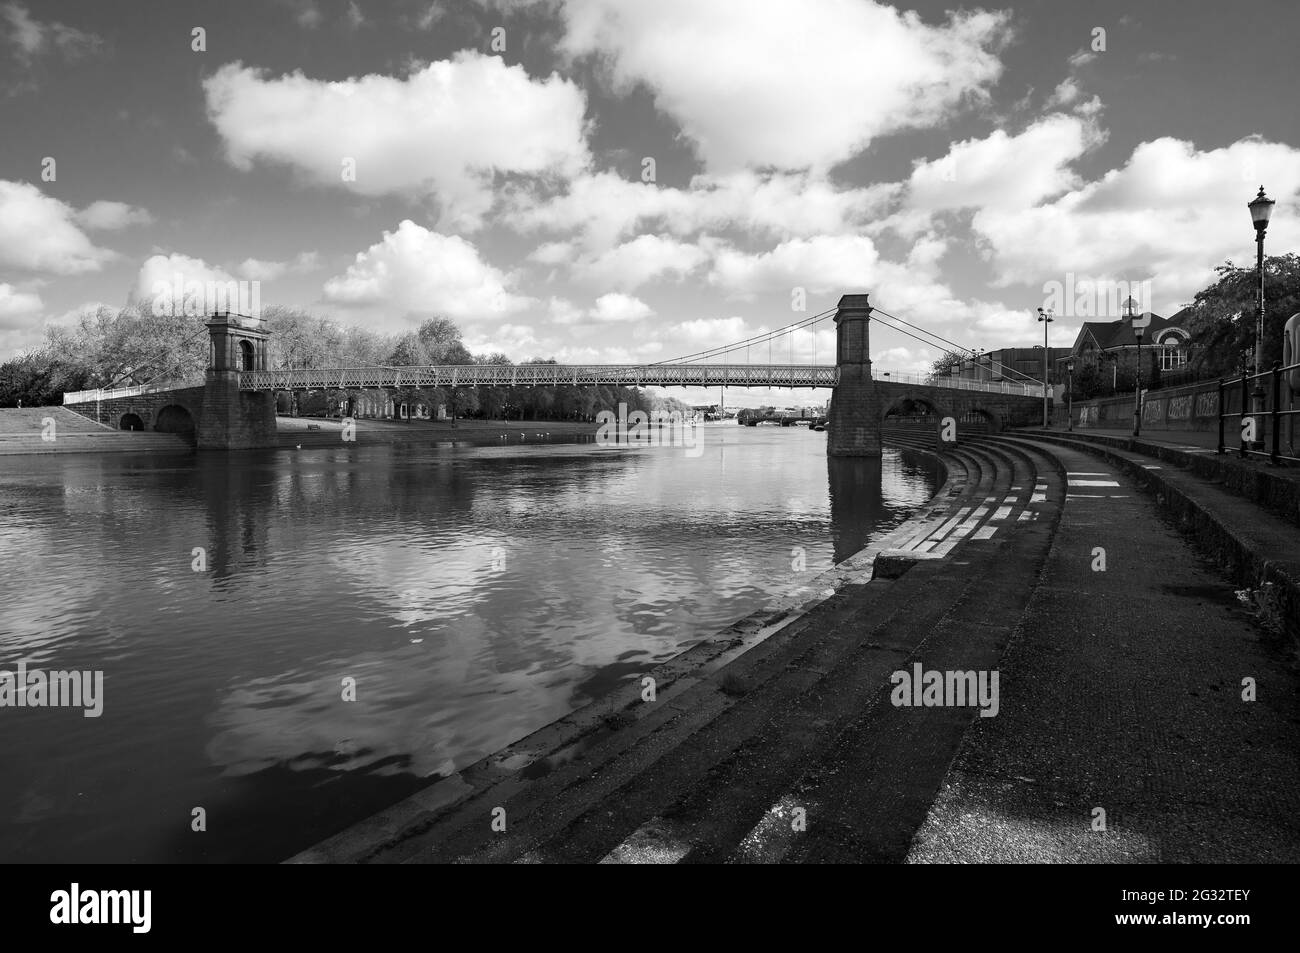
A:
{"x": 552, "y": 375}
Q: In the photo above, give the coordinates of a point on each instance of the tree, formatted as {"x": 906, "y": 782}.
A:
{"x": 302, "y": 340}
{"x": 37, "y": 380}
{"x": 947, "y": 362}
{"x": 408, "y": 351}
{"x": 1223, "y": 316}
{"x": 442, "y": 343}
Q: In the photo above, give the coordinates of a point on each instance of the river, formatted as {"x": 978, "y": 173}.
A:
{"x": 471, "y": 594}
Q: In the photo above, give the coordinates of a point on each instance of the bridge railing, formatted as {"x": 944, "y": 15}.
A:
{"x": 533, "y": 375}
{"x": 958, "y": 383}
{"x": 90, "y": 396}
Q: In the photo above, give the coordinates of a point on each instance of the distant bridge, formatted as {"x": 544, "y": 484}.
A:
{"x": 234, "y": 406}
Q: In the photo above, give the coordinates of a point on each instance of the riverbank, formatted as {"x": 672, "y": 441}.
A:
{"x": 1120, "y": 688}
{"x": 25, "y": 430}
{"x": 293, "y": 430}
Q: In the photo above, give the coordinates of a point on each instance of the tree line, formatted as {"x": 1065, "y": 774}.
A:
{"x": 107, "y": 348}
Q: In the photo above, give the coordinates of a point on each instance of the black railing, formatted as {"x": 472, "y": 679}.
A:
{"x": 1271, "y": 412}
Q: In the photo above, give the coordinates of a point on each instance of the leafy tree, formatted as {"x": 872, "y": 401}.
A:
{"x": 947, "y": 362}
{"x": 409, "y": 351}
{"x": 37, "y": 380}
{"x": 1223, "y": 317}
{"x": 442, "y": 342}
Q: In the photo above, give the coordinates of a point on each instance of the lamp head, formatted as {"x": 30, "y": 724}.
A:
{"x": 1260, "y": 210}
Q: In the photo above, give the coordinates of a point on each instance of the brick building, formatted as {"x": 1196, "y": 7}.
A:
{"x": 1111, "y": 348}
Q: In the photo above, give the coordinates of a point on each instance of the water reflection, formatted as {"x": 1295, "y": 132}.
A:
{"x": 471, "y": 593}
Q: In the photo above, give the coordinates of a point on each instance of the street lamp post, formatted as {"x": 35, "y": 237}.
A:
{"x": 1137, "y": 396}
{"x": 1069, "y": 394}
{"x": 1046, "y": 318}
{"x": 1260, "y": 210}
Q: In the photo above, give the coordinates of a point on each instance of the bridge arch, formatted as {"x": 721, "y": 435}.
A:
{"x": 977, "y": 413}
{"x": 130, "y": 421}
{"x": 175, "y": 418}
{"x": 904, "y": 405}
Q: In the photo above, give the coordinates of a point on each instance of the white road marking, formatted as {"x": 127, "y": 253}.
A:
{"x": 1002, "y": 513}
{"x": 1093, "y": 483}
{"x": 985, "y": 532}
{"x": 655, "y": 842}
{"x": 1071, "y": 473}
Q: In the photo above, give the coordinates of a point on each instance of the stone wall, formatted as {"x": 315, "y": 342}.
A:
{"x": 233, "y": 419}
{"x": 144, "y": 406}
{"x": 1193, "y": 407}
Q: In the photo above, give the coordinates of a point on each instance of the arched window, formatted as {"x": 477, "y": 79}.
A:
{"x": 245, "y": 355}
{"x": 1173, "y": 349}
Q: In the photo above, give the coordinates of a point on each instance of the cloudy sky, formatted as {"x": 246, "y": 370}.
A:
{"x": 594, "y": 180}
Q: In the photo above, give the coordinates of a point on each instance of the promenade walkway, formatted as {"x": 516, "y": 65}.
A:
{"x": 1123, "y": 692}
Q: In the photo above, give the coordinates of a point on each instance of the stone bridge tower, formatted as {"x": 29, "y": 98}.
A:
{"x": 234, "y": 419}
{"x": 853, "y": 427}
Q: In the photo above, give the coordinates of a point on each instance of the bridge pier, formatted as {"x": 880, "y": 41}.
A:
{"x": 853, "y": 425}
{"x": 232, "y": 419}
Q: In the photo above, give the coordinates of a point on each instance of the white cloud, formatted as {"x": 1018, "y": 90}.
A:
{"x": 17, "y": 308}
{"x": 611, "y": 354}
{"x": 33, "y": 38}
{"x": 563, "y": 311}
{"x": 169, "y": 270}
{"x": 1003, "y": 171}
{"x": 109, "y": 216}
{"x": 443, "y": 130}
{"x": 552, "y": 253}
{"x": 517, "y": 342}
{"x": 257, "y": 269}
{"x": 818, "y": 265}
{"x": 1171, "y": 213}
{"x": 618, "y": 308}
{"x": 643, "y": 259}
{"x": 417, "y": 271}
{"x": 1066, "y": 92}
{"x": 797, "y": 84}
{"x": 601, "y": 208}
{"x": 40, "y": 233}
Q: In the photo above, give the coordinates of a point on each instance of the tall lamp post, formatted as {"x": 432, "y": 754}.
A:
{"x": 1046, "y": 318}
{"x": 1069, "y": 393}
{"x": 1137, "y": 396}
{"x": 1260, "y": 210}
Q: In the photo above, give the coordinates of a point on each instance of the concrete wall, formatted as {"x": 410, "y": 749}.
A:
{"x": 1192, "y": 407}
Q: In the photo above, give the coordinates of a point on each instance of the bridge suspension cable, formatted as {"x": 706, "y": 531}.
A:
{"x": 765, "y": 337}
{"x": 940, "y": 337}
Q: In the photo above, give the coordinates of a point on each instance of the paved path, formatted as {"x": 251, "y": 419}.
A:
{"x": 1123, "y": 691}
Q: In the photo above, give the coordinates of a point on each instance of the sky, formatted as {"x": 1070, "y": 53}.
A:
{"x": 610, "y": 182}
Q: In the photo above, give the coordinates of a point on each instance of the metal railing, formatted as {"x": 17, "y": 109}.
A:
{"x": 960, "y": 383}
{"x": 541, "y": 375}
{"x": 1271, "y": 412}
{"x": 91, "y": 396}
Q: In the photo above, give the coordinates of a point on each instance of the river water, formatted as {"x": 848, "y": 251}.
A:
{"x": 473, "y": 594}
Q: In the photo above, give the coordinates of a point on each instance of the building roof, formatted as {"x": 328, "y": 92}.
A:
{"x": 1113, "y": 334}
